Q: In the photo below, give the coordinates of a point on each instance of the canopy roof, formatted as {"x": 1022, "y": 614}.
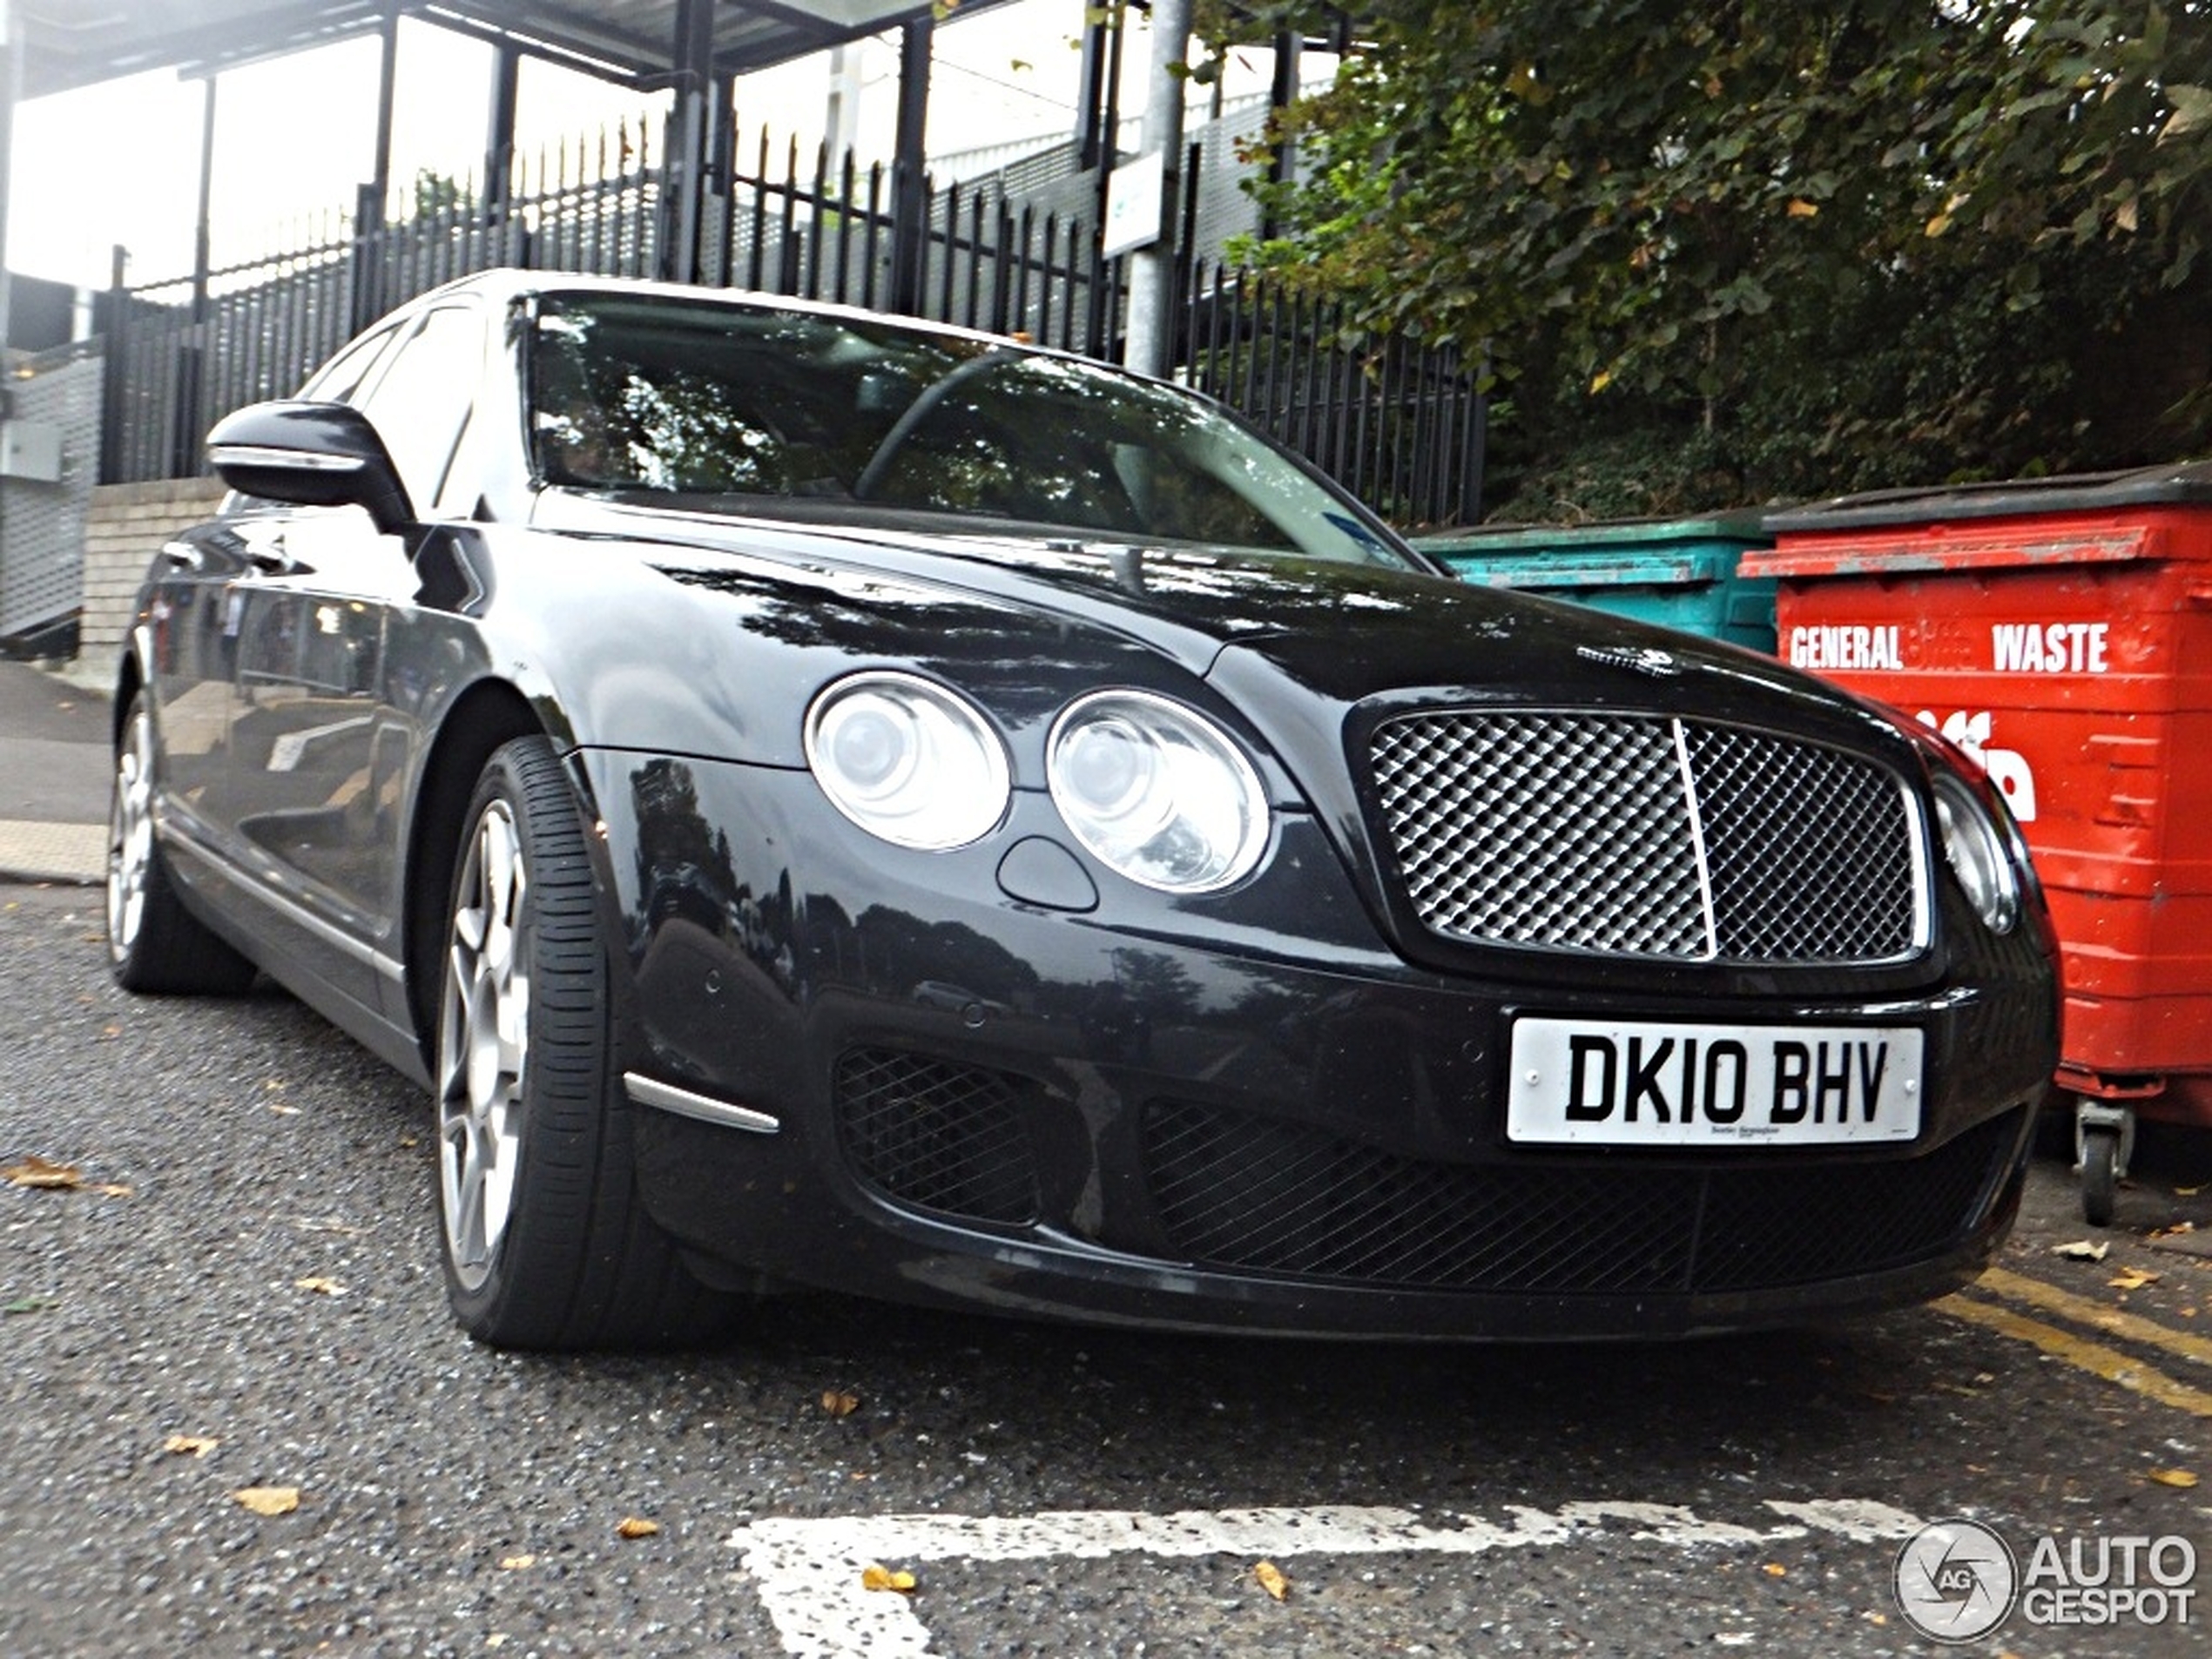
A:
{"x": 73, "y": 43}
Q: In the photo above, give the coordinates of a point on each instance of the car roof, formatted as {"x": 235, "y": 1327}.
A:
{"x": 508, "y": 284}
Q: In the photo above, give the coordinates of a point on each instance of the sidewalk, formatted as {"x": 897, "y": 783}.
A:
{"x": 54, "y": 761}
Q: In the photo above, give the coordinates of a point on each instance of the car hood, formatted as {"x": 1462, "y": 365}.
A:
{"x": 1294, "y": 644}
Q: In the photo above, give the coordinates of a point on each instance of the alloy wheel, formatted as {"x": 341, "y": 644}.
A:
{"x": 483, "y": 1035}
{"x": 130, "y": 836}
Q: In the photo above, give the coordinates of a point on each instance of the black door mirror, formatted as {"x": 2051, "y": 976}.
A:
{"x": 310, "y": 455}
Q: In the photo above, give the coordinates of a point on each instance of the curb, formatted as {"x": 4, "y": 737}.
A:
{"x": 40, "y": 852}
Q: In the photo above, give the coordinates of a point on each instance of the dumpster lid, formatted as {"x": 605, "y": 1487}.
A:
{"x": 2178, "y": 483}
{"x": 1538, "y": 566}
{"x": 1744, "y": 525}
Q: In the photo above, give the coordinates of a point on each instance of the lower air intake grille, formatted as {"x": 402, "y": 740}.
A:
{"x": 1246, "y": 1192}
{"x": 937, "y": 1136}
{"x": 1637, "y": 835}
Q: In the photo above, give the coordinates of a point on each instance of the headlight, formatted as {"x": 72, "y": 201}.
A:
{"x": 1158, "y": 793}
{"x": 1976, "y": 850}
{"x": 908, "y": 760}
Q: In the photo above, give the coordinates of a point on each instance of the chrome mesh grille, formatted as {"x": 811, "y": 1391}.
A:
{"x": 1634, "y": 835}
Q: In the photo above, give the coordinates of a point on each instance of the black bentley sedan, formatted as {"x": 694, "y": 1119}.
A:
{"x": 829, "y": 801}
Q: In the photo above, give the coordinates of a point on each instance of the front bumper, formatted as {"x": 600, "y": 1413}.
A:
{"x": 1183, "y": 1117}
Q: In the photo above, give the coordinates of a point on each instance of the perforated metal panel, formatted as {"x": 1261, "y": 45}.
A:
{"x": 1255, "y": 1194}
{"x": 42, "y": 523}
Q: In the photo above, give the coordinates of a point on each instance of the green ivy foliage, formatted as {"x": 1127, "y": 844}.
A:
{"x": 1773, "y": 248}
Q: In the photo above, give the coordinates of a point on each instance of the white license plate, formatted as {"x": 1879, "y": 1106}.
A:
{"x": 1597, "y": 1082}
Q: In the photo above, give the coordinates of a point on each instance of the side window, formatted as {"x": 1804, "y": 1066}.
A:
{"x": 423, "y": 398}
{"x": 338, "y": 380}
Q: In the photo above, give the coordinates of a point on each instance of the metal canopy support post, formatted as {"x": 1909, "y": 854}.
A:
{"x": 1090, "y": 120}
{"x": 1283, "y": 163}
{"x": 909, "y": 194}
{"x": 202, "y": 242}
{"x": 1152, "y": 286}
{"x": 379, "y": 175}
{"x": 499, "y": 134}
{"x": 11, "y": 50}
{"x": 684, "y": 157}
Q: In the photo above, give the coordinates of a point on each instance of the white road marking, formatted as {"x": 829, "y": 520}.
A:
{"x": 808, "y": 1572}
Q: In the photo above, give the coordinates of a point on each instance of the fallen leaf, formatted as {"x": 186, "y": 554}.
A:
{"x": 268, "y": 1501}
{"x": 1271, "y": 1580}
{"x": 35, "y": 1171}
{"x": 2187, "y": 1192}
{"x": 283, "y": 1110}
{"x": 113, "y": 1190}
{"x": 2082, "y": 1250}
{"x": 320, "y": 1286}
{"x": 2181, "y": 1477}
{"x": 1800, "y": 208}
{"x": 409, "y": 1140}
{"x": 110, "y": 1032}
{"x": 1775, "y": 1569}
{"x": 515, "y": 1563}
{"x": 839, "y": 1402}
{"x": 636, "y": 1527}
{"x": 883, "y": 1578}
{"x": 2131, "y": 1279}
{"x": 27, "y": 1305}
{"x": 190, "y": 1445}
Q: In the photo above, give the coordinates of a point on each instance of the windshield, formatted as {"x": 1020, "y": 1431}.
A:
{"x": 821, "y": 417}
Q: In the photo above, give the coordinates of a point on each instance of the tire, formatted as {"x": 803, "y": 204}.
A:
{"x": 545, "y": 1242}
{"x": 153, "y": 943}
{"x": 2100, "y": 1161}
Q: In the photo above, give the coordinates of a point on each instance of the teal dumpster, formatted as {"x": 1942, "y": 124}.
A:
{"x": 1677, "y": 573}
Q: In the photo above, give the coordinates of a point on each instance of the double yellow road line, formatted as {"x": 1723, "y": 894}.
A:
{"x": 2098, "y": 1359}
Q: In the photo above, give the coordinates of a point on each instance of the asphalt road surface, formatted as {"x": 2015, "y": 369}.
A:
{"x": 231, "y": 1289}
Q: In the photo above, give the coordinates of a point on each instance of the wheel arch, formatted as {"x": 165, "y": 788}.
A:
{"x": 129, "y": 679}
{"x": 488, "y": 714}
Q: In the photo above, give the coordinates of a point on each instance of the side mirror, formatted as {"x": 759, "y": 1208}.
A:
{"x": 311, "y": 454}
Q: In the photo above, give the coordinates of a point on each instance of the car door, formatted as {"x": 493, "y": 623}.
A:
{"x": 319, "y": 746}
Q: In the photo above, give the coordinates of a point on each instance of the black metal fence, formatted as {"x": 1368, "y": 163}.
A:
{"x": 1400, "y": 425}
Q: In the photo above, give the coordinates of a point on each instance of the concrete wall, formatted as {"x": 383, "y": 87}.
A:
{"x": 124, "y": 528}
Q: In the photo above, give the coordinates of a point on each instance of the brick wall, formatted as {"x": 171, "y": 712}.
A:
{"x": 124, "y": 528}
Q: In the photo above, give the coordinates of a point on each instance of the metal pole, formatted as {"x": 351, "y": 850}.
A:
{"x": 202, "y": 242}
{"x": 12, "y": 46}
{"x": 386, "y": 90}
{"x": 909, "y": 203}
{"x": 684, "y": 157}
{"x": 1151, "y": 277}
{"x": 499, "y": 137}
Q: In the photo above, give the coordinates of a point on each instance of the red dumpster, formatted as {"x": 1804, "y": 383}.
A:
{"x": 2061, "y": 632}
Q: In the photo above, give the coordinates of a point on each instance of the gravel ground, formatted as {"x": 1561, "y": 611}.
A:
{"x": 249, "y": 1259}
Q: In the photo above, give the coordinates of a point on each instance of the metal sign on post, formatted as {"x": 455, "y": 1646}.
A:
{"x": 1135, "y": 199}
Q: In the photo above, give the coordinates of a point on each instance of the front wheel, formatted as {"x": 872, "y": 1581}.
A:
{"x": 546, "y": 1245}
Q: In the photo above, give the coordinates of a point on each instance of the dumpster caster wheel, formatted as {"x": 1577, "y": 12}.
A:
{"x": 2104, "y": 1140}
{"x": 2100, "y": 1175}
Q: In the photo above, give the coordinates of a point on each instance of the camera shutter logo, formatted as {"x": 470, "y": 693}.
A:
{"x": 1955, "y": 1580}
